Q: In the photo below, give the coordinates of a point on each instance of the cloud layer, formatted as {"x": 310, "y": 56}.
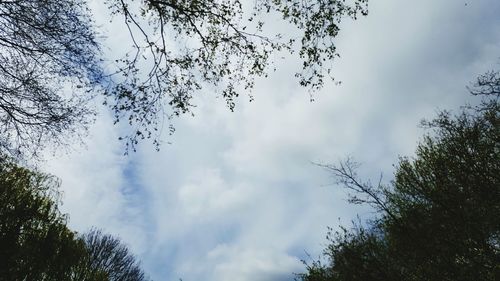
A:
{"x": 235, "y": 197}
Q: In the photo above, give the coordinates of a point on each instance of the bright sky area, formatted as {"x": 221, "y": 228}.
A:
{"x": 235, "y": 196}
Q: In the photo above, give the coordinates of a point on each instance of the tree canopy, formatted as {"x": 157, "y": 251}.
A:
{"x": 51, "y": 64}
{"x": 439, "y": 219}
{"x": 36, "y": 244}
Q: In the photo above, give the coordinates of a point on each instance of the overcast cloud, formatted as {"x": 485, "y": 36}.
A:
{"x": 235, "y": 196}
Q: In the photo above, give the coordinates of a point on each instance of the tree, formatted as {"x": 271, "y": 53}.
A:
{"x": 108, "y": 258}
{"x": 36, "y": 244}
{"x": 50, "y": 62}
{"x": 183, "y": 47}
{"x": 439, "y": 219}
{"x": 49, "y": 67}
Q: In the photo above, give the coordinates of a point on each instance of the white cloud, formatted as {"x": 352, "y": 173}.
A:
{"x": 94, "y": 186}
{"x": 255, "y": 263}
{"x": 235, "y": 196}
{"x": 207, "y": 193}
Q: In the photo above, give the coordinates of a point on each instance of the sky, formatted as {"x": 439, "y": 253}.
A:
{"x": 236, "y": 195}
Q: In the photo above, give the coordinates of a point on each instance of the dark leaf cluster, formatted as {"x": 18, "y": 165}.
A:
{"x": 439, "y": 219}
{"x": 36, "y": 244}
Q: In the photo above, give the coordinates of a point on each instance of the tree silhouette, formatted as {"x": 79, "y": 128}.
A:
{"x": 36, "y": 244}
{"x": 108, "y": 258}
{"x": 50, "y": 63}
{"x": 49, "y": 68}
{"x": 439, "y": 219}
{"x": 183, "y": 48}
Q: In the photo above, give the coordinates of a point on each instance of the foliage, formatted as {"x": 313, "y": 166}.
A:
{"x": 183, "y": 47}
{"x": 440, "y": 217}
{"x": 359, "y": 254}
{"x": 50, "y": 62}
{"x": 36, "y": 244}
{"x": 48, "y": 67}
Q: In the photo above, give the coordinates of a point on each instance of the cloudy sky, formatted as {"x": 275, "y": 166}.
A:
{"x": 235, "y": 196}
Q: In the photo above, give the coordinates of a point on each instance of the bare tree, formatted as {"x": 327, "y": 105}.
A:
{"x": 362, "y": 192}
{"x": 48, "y": 70}
{"x": 108, "y": 259}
